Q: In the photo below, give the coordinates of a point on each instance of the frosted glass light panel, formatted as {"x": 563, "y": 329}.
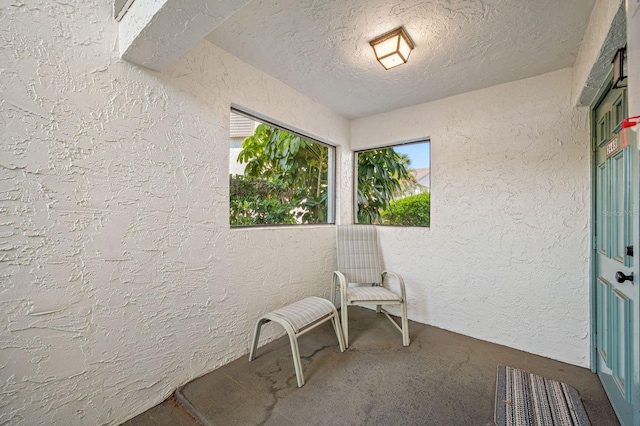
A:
{"x": 392, "y": 49}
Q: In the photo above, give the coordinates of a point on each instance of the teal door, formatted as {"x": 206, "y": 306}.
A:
{"x": 616, "y": 256}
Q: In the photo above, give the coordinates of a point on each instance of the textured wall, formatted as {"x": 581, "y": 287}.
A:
{"x": 604, "y": 35}
{"x": 120, "y": 279}
{"x": 507, "y": 256}
{"x": 154, "y": 33}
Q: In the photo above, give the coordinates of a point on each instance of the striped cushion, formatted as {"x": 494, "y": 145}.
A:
{"x": 304, "y": 312}
{"x": 359, "y": 294}
{"x": 358, "y": 253}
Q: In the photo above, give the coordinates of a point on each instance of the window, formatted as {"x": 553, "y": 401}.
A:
{"x": 393, "y": 185}
{"x": 278, "y": 176}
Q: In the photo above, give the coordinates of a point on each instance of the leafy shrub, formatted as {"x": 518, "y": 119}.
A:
{"x": 414, "y": 210}
{"x": 255, "y": 201}
{"x": 380, "y": 176}
{"x": 297, "y": 169}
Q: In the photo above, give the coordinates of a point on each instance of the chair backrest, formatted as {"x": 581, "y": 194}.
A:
{"x": 359, "y": 253}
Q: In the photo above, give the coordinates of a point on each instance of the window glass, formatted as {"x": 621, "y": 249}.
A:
{"x": 277, "y": 176}
{"x": 393, "y": 185}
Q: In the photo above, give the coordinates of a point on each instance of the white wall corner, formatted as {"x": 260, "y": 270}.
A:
{"x": 154, "y": 33}
{"x": 345, "y": 186}
{"x": 510, "y": 196}
{"x": 605, "y": 33}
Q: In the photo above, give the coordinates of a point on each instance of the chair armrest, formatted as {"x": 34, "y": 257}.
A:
{"x": 400, "y": 280}
{"x": 341, "y": 283}
{"x": 342, "y": 280}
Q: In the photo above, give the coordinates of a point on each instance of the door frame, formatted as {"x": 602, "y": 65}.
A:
{"x": 594, "y": 242}
{"x": 635, "y": 385}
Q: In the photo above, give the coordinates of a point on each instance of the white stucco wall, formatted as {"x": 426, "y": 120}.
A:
{"x": 120, "y": 278}
{"x": 507, "y": 256}
{"x": 604, "y": 35}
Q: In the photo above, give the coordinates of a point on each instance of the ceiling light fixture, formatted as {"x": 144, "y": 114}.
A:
{"x": 393, "y": 48}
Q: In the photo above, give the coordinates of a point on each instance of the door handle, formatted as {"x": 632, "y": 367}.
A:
{"x": 621, "y": 277}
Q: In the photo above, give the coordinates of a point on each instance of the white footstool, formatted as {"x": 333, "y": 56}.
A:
{"x": 298, "y": 318}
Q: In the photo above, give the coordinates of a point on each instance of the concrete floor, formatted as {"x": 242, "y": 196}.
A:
{"x": 442, "y": 378}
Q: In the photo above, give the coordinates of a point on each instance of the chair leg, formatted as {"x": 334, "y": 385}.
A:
{"x": 296, "y": 359}
{"x": 338, "y": 330}
{"x": 256, "y": 338}
{"x": 345, "y": 324}
{"x": 405, "y": 325}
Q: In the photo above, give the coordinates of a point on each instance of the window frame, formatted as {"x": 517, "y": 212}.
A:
{"x": 331, "y": 167}
{"x": 355, "y": 178}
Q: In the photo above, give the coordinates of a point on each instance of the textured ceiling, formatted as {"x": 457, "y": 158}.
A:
{"x": 321, "y": 47}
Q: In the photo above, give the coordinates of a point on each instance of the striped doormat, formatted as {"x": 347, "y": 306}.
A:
{"x": 525, "y": 399}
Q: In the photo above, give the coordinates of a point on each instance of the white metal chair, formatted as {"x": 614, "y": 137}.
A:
{"x": 361, "y": 280}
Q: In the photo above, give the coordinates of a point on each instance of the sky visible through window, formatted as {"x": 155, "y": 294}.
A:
{"x": 419, "y": 153}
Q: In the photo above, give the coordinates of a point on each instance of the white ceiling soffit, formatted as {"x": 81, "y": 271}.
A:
{"x": 120, "y": 8}
{"x": 321, "y": 48}
{"x": 154, "y": 33}
{"x": 615, "y": 38}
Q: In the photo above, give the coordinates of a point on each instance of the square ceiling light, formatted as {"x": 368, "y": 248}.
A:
{"x": 393, "y": 48}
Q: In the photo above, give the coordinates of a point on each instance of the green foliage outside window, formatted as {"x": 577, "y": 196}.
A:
{"x": 259, "y": 202}
{"x": 381, "y": 173}
{"x": 388, "y": 190}
{"x": 285, "y": 180}
{"x": 414, "y": 210}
